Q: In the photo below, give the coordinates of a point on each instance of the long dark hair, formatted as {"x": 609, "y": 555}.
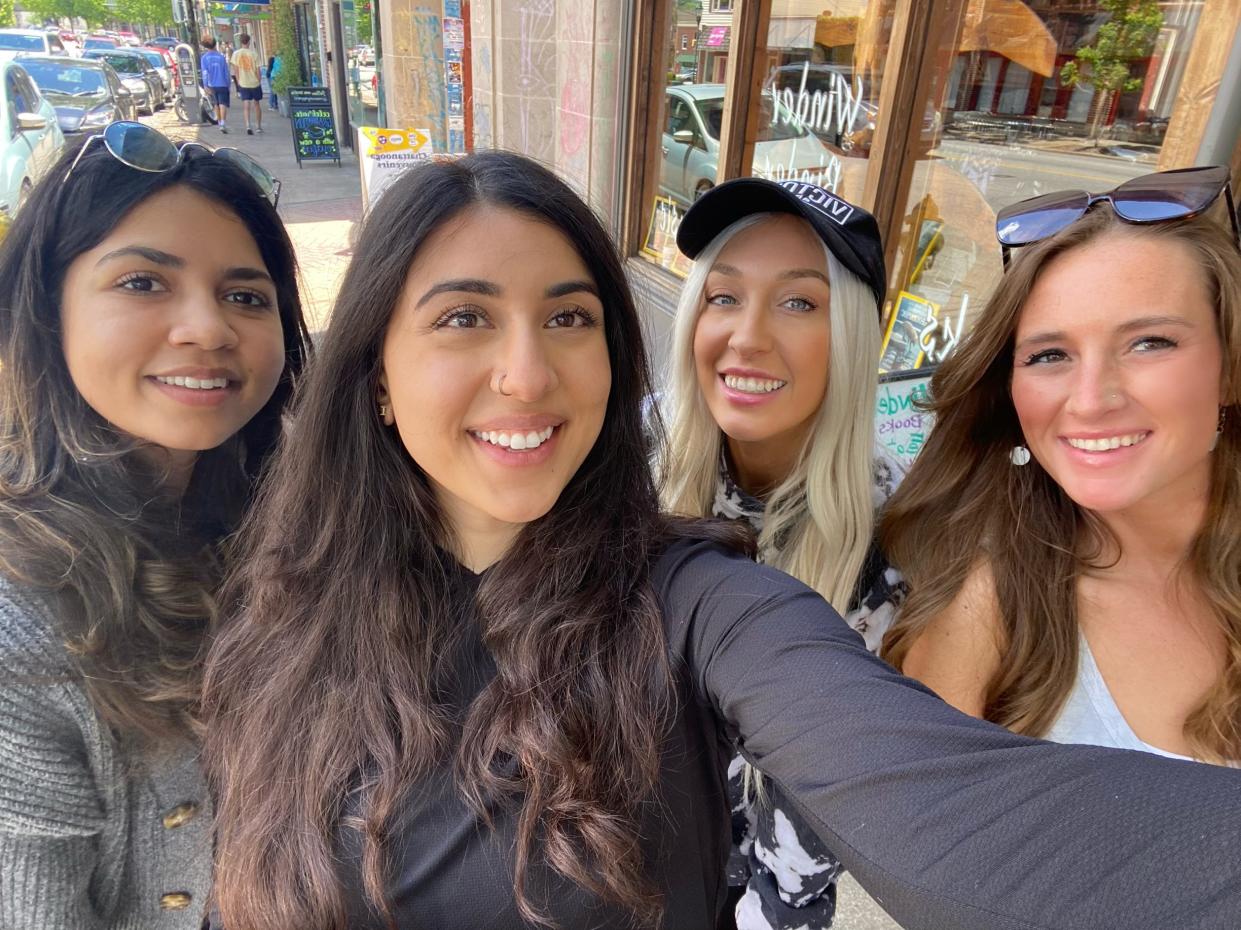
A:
{"x": 81, "y": 517}
{"x": 324, "y": 683}
{"x": 964, "y": 504}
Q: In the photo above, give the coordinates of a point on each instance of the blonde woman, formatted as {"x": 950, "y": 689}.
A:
{"x": 1071, "y": 530}
{"x": 775, "y": 346}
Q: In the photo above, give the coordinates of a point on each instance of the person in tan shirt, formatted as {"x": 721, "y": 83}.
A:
{"x": 246, "y": 72}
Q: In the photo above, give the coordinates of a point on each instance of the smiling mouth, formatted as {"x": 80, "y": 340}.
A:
{"x": 1106, "y": 443}
{"x": 753, "y": 385}
{"x": 194, "y": 384}
{"x": 515, "y": 440}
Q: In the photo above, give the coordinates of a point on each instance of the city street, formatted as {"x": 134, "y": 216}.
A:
{"x": 320, "y": 202}
{"x": 1005, "y": 174}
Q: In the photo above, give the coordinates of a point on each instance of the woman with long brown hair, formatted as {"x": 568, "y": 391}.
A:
{"x": 477, "y": 679}
{"x": 1071, "y": 530}
{"x": 150, "y": 334}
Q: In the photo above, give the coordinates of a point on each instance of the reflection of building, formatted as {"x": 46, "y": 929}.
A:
{"x": 714, "y": 39}
{"x": 948, "y": 116}
{"x": 1018, "y": 81}
{"x": 685, "y": 45}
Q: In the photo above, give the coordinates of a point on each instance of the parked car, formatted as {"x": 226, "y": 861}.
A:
{"x": 14, "y": 42}
{"x": 691, "y": 143}
{"x": 93, "y": 43}
{"x": 30, "y": 137}
{"x": 167, "y": 42}
{"x": 86, "y": 92}
{"x": 136, "y": 73}
{"x": 162, "y": 66}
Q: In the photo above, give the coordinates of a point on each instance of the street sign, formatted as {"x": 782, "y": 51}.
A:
{"x": 314, "y": 129}
{"x": 384, "y": 153}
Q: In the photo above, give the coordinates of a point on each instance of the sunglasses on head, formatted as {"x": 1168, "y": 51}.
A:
{"x": 1152, "y": 198}
{"x": 145, "y": 149}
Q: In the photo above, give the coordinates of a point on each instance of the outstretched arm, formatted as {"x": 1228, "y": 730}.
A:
{"x": 951, "y": 823}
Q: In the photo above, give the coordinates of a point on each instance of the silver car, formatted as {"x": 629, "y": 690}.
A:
{"x": 785, "y": 148}
{"x": 136, "y": 73}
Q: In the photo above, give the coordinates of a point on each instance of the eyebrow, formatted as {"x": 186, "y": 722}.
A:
{"x": 155, "y": 256}
{"x": 460, "y": 285}
{"x": 489, "y": 289}
{"x": 565, "y": 288}
{"x": 245, "y": 273}
{"x": 1128, "y": 326}
{"x": 789, "y": 275}
{"x": 152, "y": 255}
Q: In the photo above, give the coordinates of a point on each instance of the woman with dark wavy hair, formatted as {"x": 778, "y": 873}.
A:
{"x": 477, "y": 679}
{"x": 149, "y": 337}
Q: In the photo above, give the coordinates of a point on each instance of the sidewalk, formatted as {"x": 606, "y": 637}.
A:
{"x": 320, "y": 203}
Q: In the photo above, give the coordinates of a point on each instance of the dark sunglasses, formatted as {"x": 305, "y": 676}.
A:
{"x": 1152, "y": 198}
{"x": 145, "y": 149}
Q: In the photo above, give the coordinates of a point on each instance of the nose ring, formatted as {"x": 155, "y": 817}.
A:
{"x": 498, "y": 387}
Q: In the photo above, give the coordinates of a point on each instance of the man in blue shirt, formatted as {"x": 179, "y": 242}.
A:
{"x": 215, "y": 79}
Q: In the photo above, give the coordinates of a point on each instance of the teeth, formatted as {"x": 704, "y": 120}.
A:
{"x": 516, "y": 441}
{"x": 197, "y": 384}
{"x": 1106, "y": 444}
{"x": 753, "y": 385}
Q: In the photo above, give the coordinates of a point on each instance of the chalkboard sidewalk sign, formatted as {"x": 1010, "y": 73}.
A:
{"x": 314, "y": 131}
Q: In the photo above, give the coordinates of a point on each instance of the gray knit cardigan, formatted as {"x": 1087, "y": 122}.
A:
{"x": 90, "y": 838}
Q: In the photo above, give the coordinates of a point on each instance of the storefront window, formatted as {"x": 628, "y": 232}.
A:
{"x": 1036, "y": 97}
{"x": 362, "y": 66}
{"x": 691, "y": 119}
{"x": 824, "y": 67}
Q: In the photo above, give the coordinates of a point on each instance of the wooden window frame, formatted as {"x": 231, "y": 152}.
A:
{"x": 908, "y": 72}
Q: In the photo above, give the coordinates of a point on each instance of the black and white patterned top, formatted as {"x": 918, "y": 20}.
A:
{"x": 789, "y": 875}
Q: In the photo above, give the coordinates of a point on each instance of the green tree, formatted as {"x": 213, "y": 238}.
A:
{"x": 1105, "y": 63}
{"x": 366, "y": 29}
{"x": 93, "y": 11}
{"x": 147, "y": 12}
{"x": 286, "y": 47}
{"x": 6, "y": 12}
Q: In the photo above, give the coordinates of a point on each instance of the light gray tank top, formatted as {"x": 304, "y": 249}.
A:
{"x": 1090, "y": 714}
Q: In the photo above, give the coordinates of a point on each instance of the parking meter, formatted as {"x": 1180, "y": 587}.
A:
{"x": 187, "y": 78}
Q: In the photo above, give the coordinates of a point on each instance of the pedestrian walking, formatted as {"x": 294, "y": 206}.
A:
{"x": 216, "y": 79}
{"x": 246, "y": 71}
{"x": 273, "y": 68}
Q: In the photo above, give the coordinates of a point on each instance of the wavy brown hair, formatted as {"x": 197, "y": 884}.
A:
{"x": 963, "y": 504}
{"x": 130, "y": 571}
{"x": 324, "y": 684}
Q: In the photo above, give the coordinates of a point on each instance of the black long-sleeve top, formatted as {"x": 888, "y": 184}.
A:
{"x": 951, "y": 823}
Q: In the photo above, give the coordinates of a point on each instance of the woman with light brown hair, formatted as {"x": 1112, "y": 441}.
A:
{"x": 1072, "y": 531}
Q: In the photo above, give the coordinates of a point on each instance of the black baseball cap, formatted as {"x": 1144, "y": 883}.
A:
{"x": 849, "y": 231}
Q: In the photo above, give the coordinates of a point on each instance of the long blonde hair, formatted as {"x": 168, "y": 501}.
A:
{"x": 823, "y": 510}
{"x": 963, "y": 504}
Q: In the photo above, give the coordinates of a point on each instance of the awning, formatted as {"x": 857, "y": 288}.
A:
{"x": 832, "y": 31}
{"x": 1006, "y": 27}
{"x": 1012, "y": 29}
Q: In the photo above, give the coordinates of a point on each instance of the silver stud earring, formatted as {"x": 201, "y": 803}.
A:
{"x": 1019, "y": 456}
